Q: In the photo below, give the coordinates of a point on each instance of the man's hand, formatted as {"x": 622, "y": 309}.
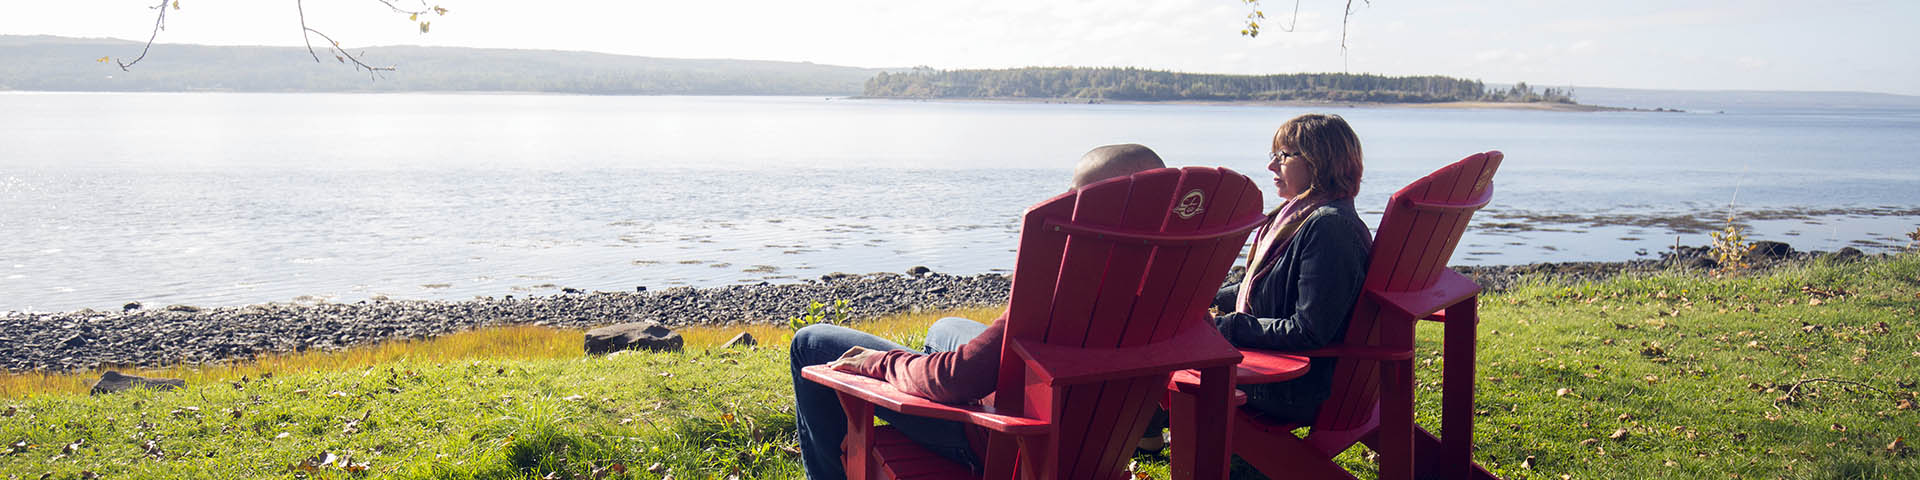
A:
{"x": 850, "y": 362}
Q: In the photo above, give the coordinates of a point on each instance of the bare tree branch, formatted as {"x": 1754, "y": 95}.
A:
{"x": 159, "y": 23}
{"x": 341, "y": 54}
{"x": 1254, "y": 16}
{"x": 1344, "y": 23}
{"x": 306, "y": 34}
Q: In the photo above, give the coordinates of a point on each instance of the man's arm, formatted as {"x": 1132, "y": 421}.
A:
{"x": 959, "y": 376}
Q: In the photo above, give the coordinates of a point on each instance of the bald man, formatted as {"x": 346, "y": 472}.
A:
{"x": 1111, "y": 161}
{"x": 959, "y": 364}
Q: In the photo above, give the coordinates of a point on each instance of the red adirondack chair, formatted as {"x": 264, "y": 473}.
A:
{"x": 1372, "y": 401}
{"x": 1109, "y": 298}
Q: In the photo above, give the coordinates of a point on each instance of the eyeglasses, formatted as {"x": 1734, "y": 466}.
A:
{"x": 1279, "y": 156}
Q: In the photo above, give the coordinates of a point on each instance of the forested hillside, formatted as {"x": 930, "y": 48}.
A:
{"x": 1153, "y": 85}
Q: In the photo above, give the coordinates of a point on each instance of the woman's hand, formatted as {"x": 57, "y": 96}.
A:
{"x": 850, "y": 362}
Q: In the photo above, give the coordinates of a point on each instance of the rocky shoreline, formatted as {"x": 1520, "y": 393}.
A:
{"x": 149, "y": 337}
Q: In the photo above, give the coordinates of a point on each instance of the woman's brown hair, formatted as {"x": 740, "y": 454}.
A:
{"x": 1331, "y": 150}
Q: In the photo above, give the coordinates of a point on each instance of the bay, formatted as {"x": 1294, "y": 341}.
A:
{"x": 227, "y": 199}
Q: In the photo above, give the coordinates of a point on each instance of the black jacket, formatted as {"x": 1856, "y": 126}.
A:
{"x": 1303, "y": 303}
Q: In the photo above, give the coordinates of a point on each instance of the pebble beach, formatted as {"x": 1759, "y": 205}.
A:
{"x": 151, "y": 336}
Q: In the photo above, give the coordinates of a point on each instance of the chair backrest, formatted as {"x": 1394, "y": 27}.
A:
{"x": 1121, "y": 263}
{"x": 1417, "y": 235}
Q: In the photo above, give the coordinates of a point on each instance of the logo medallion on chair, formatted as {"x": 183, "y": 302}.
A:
{"x": 1190, "y": 204}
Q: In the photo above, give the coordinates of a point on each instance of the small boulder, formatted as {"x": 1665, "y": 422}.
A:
{"x": 636, "y": 335}
{"x": 919, "y": 270}
{"x": 1701, "y": 263}
{"x": 741, "y": 340}
{"x": 112, "y": 381}
{"x": 1772, "y": 250}
{"x": 130, "y": 306}
{"x": 1846, "y": 254}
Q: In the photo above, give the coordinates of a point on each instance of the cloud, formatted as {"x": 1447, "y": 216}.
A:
{"x": 1580, "y": 45}
{"x": 1751, "y": 63}
{"x": 1501, "y": 55}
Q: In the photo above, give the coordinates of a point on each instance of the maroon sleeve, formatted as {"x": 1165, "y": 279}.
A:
{"x": 959, "y": 376}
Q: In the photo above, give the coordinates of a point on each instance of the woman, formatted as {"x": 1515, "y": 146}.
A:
{"x": 1307, "y": 263}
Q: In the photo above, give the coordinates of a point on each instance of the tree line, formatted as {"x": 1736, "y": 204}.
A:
{"x": 1133, "y": 84}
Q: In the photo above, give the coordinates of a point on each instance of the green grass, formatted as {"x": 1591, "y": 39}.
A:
{"x": 1691, "y": 373}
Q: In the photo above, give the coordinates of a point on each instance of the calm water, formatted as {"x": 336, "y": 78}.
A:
{"x": 226, "y": 199}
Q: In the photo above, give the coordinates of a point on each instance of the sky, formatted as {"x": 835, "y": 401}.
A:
{"x": 1838, "y": 45}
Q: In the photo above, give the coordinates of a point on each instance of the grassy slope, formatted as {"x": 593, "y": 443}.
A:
{"x": 1690, "y": 373}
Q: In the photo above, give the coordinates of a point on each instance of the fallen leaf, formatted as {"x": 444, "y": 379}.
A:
{"x": 1589, "y": 442}
{"x": 1528, "y": 463}
{"x": 281, "y": 435}
{"x": 11, "y": 409}
{"x": 1814, "y": 302}
{"x": 1562, "y": 392}
{"x": 72, "y": 447}
{"x": 1618, "y": 434}
{"x": 655, "y": 468}
{"x": 573, "y": 398}
{"x": 338, "y": 394}
{"x": 1837, "y": 427}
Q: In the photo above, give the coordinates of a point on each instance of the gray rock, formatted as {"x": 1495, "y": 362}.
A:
{"x": 635, "y": 335}
{"x": 1772, "y": 250}
{"x": 741, "y": 340}
{"x": 1846, "y": 254}
{"x": 919, "y": 270}
{"x": 113, "y": 381}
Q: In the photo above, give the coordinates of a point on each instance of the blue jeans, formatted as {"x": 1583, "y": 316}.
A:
{"x": 821, "y": 422}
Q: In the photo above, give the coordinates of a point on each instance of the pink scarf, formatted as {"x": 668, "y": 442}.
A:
{"x": 1271, "y": 241}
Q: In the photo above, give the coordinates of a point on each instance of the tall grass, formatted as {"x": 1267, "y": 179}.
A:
{"x": 504, "y": 343}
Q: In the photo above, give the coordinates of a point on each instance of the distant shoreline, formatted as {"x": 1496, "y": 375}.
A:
{"x": 1463, "y": 105}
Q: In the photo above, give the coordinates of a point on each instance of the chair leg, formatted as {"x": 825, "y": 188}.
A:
{"x": 1180, "y": 424}
{"x": 1394, "y": 440}
{"x": 1211, "y": 422}
{"x": 858, "y": 446}
{"x": 1002, "y": 461}
{"x": 1456, "y": 401}
{"x": 1427, "y": 451}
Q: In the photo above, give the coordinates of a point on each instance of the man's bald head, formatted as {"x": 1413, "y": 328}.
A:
{"x": 1111, "y": 161}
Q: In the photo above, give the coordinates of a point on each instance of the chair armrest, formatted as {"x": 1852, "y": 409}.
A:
{"x": 1363, "y": 353}
{"x": 1450, "y": 288}
{"x": 1192, "y": 347}
{"x": 884, "y": 395}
